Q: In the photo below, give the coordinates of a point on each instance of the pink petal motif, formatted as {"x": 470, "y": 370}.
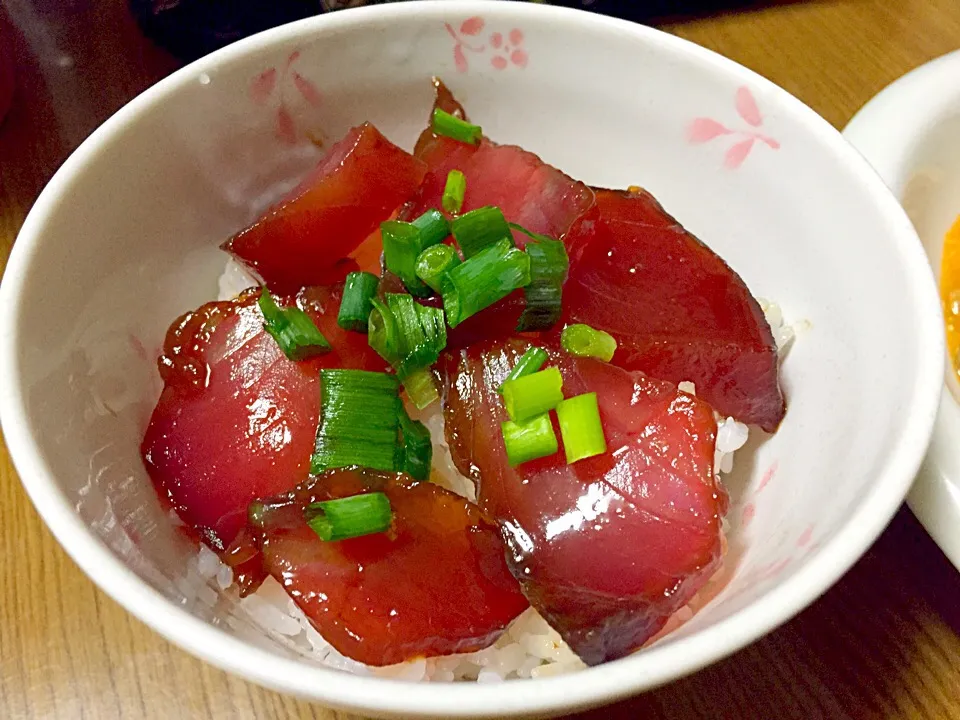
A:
{"x": 747, "y": 107}
{"x": 519, "y": 58}
{"x": 460, "y": 58}
{"x": 262, "y": 85}
{"x": 294, "y": 56}
{"x": 516, "y": 36}
{"x": 306, "y": 87}
{"x": 472, "y": 26}
{"x": 138, "y": 347}
{"x": 738, "y": 153}
{"x": 285, "y": 129}
{"x": 774, "y": 569}
{"x": 499, "y": 62}
{"x": 768, "y": 476}
{"x": 749, "y": 512}
{"x": 496, "y": 40}
{"x": 805, "y": 536}
{"x": 774, "y": 144}
{"x": 704, "y": 129}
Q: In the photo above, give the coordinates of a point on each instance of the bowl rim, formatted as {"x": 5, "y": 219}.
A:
{"x": 593, "y": 686}
{"x": 890, "y": 139}
{"x": 869, "y": 131}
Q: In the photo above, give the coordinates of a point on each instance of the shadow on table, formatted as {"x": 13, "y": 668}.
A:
{"x": 858, "y": 652}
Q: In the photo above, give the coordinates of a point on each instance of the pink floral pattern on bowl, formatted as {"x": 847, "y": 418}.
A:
{"x": 803, "y": 541}
{"x": 503, "y": 50}
{"x": 705, "y": 129}
{"x": 273, "y": 85}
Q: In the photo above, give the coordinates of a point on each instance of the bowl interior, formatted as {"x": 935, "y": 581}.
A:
{"x": 125, "y": 239}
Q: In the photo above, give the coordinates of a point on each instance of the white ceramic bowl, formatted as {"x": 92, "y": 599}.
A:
{"x": 910, "y": 133}
{"x": 125, "y": 237}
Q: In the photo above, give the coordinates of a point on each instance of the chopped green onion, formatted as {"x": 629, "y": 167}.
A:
{"x": 548, "y": 261}
{"x": 359, "y": 423}
{"x": 417, "y": 447}
{"x": 453, "y": 127}
{"x": 355, "y": 306}
{"x": 543, "y": 308}
{"x": 383, "y": 335}
{"x": 531, "y": 361}
{"x": 529, "y": 440}
{"x": 421, "y": 388}
{"x": 454, "y": 192}
{"x": 580, "y": 427}
{"x": 292, "y": 328}
{"x": 433, "y": 227}
{"x": 410, "y": 337}
{"x": 350, "y": 517}
{"x": 548, "y": 272}
{"x": 529, "y": 233}
{"x": 479, "y": 229}
{"x": 533, "y": 394}
{"x": 402, "y": 243}
{"x": 434, "y": 262}
{"x": 482, "y": 280}
{"x": 584, "y": 341}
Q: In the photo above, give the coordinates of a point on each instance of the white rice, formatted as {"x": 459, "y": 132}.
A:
{"x": 529, "y": 648}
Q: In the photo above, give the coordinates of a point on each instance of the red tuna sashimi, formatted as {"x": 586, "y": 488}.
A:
{"x": 436, "y": 583}
{"x": 236, "y": 419}
{"x": 676, "y": 309}
{"x": 433, "y": 149}
{"x": 609, "y": 548}
{"x": 357, "y": 185}
{"x": 528, "y": 191}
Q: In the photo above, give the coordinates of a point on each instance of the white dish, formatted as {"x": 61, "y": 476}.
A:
{"x": 910, "y": 132}
{"x": 125, "y": 237}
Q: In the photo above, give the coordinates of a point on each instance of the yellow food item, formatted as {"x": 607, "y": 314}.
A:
{"x": 950, "y": 292}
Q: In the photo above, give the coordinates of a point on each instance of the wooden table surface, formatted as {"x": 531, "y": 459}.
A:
{"x": 883, "y": 643}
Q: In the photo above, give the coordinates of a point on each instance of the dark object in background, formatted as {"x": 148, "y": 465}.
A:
{"x": 7, "y": 78}
{"x": 191, "y": 28}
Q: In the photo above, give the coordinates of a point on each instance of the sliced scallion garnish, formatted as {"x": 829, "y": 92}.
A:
{"x": 417, "y": 447}
{"x": 479, "y": 229}
{"x": 433, "y": 227}
{"x": 482, "y": 280}
{"x": 434, "y": 262}
{"x": 359, "y": 289}
{"x": 454, "y": 192}
{"x": 529, "y": 440}
{"x": 548, "y": 271}
{"x": 453, "y": 127}
{"x": 402, "y": 244}
{"x": 383, "y": 334}
{"x": 531, "y": 361}
{"x": 533, "y": 394}
{"x": 421, "y": 388}
{"x": 350, "y": 517}
{"x": 544, "y": 305}
{"x": 529, "y": 233}
{"x": 292, "y": 328}
{"x": 410, "y": 337}
{"x": 580, "y": 427}
{"x": 358, "y": 420}
{"x": 583, "y": 341}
